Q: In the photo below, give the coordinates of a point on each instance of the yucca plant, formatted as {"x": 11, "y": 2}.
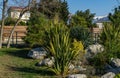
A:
{"x": 60, "y": 49}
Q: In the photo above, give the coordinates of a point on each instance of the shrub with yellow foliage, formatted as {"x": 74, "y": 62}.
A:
{"x": 78, "y": 47}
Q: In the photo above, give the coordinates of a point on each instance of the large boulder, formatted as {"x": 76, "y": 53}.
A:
{"x": 115, "y": 62}
{"x": 37, "y": 53}
{"x": 77, "y": 76}
{"x": 46, "y": 62}
{"x": 94, "y": 49}
{"x": 108, "y": 75}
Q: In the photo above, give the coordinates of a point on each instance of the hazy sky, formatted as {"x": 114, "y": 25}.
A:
{"x": 100, "y": 7}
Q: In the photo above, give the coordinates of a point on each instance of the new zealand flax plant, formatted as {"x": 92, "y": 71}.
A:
{"x": 60, "y": 49}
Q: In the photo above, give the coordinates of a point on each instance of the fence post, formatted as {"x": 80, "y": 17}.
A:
{"x": 12, "y": 39}
{"x": 16, "y": 37}
{"x": 96, "y": 37}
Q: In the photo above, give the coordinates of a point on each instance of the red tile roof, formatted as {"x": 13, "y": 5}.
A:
{"x": 15, "y": 8}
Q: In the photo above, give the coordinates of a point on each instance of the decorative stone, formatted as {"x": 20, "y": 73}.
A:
{"x": 37, "y": 53}
{"x": 115, "y": 62}
{"x": 71, "y": 67}
{"x": 94, "y": 49}
{"x": 82, "y": 69}
{"x": 46, "y": 62}
{"x": 108, "y": 75}
{"x": 77, "y": 76}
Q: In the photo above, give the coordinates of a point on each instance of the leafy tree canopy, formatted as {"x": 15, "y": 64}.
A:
{"x": 82, "y": 18}
{"x": 115, "y": 17}
{"x": 50, "y": 7}
{"x": 37, "y": 25}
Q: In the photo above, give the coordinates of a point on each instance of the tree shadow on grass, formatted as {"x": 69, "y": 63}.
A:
{"x": 22, "y": 53}
{"x": 38, "y": 71}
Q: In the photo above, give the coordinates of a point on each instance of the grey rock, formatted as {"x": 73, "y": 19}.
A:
{"x": 47, "y": 62}
{"x": 37, "y": 53}
{"x": 71, "y": 67}
{"x": 94, "y": 49}
{"x": 77, "y": 76}
{"x": 115, "y": 62}
{"x": 80, "y": 68}
{"x": 108, "y": 75}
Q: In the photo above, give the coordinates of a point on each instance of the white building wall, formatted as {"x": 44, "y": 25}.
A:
{"x": 26, "y": 16}
{"x": 100, "y": 25}
{"x": 16, "y": 14}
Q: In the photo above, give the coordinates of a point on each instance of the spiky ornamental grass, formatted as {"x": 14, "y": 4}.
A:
{"x": 111, "y": 40}
{"x": 60, "y": 48}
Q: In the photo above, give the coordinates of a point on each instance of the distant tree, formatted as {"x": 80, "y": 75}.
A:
{"x": 37, "y": 25}
{"x": 11, "y": 21}
{"x": 50, "y": 7}
{"x": 78, "y": 21}
{"x": 82, "y": 18}
{"x": 115, "y": 17}
{"x": 64, "y": 11}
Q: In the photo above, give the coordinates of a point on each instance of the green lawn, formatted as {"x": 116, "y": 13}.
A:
{"x": 14, "y": 63}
